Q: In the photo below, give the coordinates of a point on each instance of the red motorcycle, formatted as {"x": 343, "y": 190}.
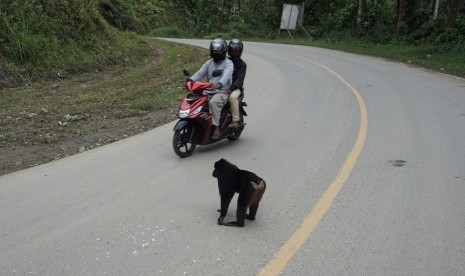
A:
{"x": 195, "y": 121}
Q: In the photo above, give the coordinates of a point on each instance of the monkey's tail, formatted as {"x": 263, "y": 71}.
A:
{"x": 258, "y": 186}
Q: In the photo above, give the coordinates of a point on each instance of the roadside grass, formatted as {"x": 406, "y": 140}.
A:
{"x": 450, "y": 60}
{"x": 50, "y": 111}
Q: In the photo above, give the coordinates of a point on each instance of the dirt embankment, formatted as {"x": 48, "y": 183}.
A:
{"x": 43, "y": 121}
{"x": 36, "y": 137}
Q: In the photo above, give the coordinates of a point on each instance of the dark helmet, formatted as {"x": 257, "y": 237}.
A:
{"x": 235, "y": 48}
{"x": 218, "y": 49}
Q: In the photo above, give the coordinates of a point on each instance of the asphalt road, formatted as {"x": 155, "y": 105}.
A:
{"x": 364, "y": 160}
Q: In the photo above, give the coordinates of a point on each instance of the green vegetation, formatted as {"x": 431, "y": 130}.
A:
{"x": 425, "y": 55}
{"x": 117, "y": 93}
{"x": 43, "y": 39}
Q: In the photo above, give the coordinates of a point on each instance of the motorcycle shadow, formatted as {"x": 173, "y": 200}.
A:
{"x": 224, "y": 143}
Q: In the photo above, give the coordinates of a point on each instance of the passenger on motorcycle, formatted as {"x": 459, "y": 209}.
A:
{"x": 235, "y": 48}
{"x": 218, "y": 70}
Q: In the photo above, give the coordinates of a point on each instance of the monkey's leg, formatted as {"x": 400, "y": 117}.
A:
{"x": 240, "y": 217}
{"x": 225, "y": 201}
{"x": 241, "y": 211}
{"x": 259, "y": 190}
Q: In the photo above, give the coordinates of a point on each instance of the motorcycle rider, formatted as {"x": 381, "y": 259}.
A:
{"x": 235, "y": 48}
{"x": 218, "y": 70}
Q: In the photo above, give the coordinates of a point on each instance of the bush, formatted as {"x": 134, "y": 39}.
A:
{"x": 23, "y": 48}
{"x": 120, "y": 15}
{"x": 174, "y": 32}
{"x": 437, "y": 33}
{"x": 42, "y": 39}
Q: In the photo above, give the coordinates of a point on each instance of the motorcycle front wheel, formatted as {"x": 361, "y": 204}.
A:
{"x": 184, "y": 141}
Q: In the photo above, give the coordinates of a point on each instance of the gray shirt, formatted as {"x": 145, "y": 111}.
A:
{"x": 227, "y": 68}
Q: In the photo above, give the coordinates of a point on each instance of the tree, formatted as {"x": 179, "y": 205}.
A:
{"x": 400, "y": 11}
{"x": 435, "y": 9}
{"x": 362, "y": 6}
{"x": 453, "y": 13}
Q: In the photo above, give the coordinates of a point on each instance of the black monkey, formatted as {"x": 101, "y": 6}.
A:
{"x": 232, "y": 180}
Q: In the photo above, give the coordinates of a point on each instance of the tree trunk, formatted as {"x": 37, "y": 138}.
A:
{"x": 400, "y": 11}
{"x": 436, "y": 8}
{"x": 238, "y": 10}
{"x": 222, "y": 15}
{"x": 362, "y": 5}
{"x": 454, "y": 11}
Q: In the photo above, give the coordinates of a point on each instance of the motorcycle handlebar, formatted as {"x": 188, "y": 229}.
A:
{"x": 210, "y": 91}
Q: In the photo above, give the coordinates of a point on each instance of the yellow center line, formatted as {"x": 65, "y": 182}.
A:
{"x": 300, "y": 236}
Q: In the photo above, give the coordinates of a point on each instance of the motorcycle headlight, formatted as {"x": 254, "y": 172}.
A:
{"x": 184, "y": 113}
{"x": 197, "y": 110}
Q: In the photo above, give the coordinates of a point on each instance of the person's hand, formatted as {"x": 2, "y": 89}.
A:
{"x": 215, "y": 86}
{"x": 188, "y": 81}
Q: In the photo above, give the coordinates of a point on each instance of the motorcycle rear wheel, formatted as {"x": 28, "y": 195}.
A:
{"x": 184, "y": 141}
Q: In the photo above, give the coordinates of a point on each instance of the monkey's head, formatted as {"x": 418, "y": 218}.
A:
{"x": 223, "y": 165}
{"x": 217, "y": 166}
{"x": 215, "y": 173}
